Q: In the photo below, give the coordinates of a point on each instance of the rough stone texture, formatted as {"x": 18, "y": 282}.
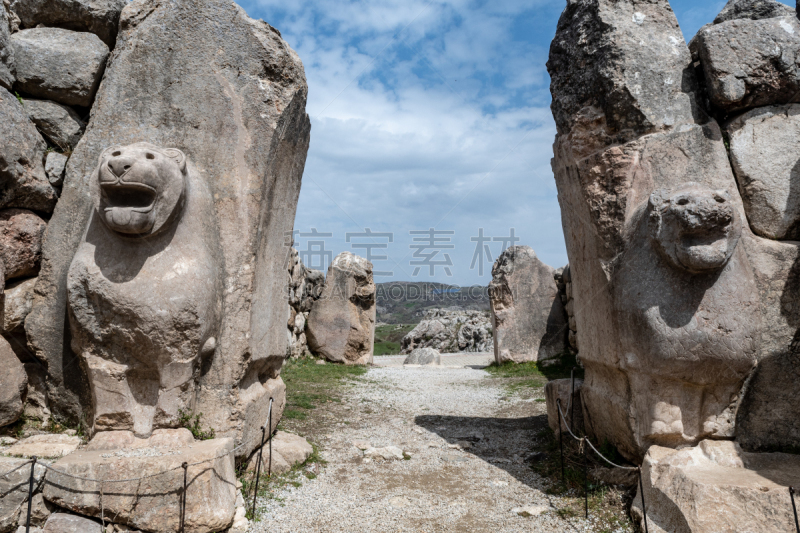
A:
{"x": 561, "y": 389}
{"x": 528, "y": 319}
{"x": 45, "y": 445}
{"x": 21, "y": 234}
{"x": 667, "y": 308}
{"x": 100, "y": 17}
{"x": 341, "y": 325}
{"x": 14, "y": 385}
{"x": 186, "y": 75}
{"x": 150, "y": 504}
{"x": 54, "y": 166}
{"x": 16, "y": 305}
{"x": 423, "y": 356}
{"x": 23, "y": 182}
{"x": 7, "y": 64}
{"x": 59, "y": 123}
{"x": 288, "y": 450}
{"x": 619, "y": 69}
{"x": 57, "y": 64}
{"x": 450, "y": 331}
{"x": 14, "y": 489}
{"x": 717, "y": 487}
{"x": 764, "y": 148}
{"x": 305, "y": 287}
{"x": 70, "y": 523}
{"x": 753, "y": 9}
{"x": 749, "y": 63}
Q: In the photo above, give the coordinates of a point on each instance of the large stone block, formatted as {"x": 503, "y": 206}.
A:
{"x": 57, "y": 64}
{"x": 14, "y": 385}
{"x": 16, "y": 305}
{"x": 563, "y": 392}
{"x": 21, "y": 234}
{"x": 100, "y": 17}
{"x": 185, "y": 76}
{"x": 70, "y": 523}
{"x": 45, "y": 445}
{"x": 716, "y": 487}
{"x": 529, "y": 322}
{"x": 14, "y": 488}
{"x": 749, "y": 63}
{"x": 753, "y": 9}
{"x": 151, "y": 502}
{"x": 619, "y": 69}
{"x": 765, "y": 152}
{"x": 59, "y": 123}
{"x": 23, "y": 182}
{"x": 341, "y": 326}
{"x": 7, "y": 64}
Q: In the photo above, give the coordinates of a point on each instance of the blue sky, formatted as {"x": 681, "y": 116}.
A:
{"x": 431, "y": 114}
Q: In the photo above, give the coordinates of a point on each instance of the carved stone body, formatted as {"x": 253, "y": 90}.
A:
{"x": 144, "y": 290}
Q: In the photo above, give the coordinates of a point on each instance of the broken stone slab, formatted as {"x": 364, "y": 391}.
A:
{"x": 14, "y": 489}
{"x": 530, "y": 510}
{"x": 716, "y": 487}
{"x": 150, "y": 504}
{"x": 202, "y": 73}
{"x": 529, "y": 322}
{"x": 341, "y": 325}
{"x": 54, "y": 166}
{"x": 387, "y": 453}
{"x": 753, "y": 9}
{"x": 288, "y": 450}
{"x": 21, "y": 233}
{"x": 70, "y": 523}
{"x": 764, "y": 147}
{"x": 25, "y": 184}
{"x": 45, "y": 445}
{"x": 749, "y": 63}
{"x": 7, "y": 63}
{"x": 424, "y": 356}
{"x": 100, "y": 17}
{"x": 61, "y": 65}
{"x": 57, "y": 122}
{"x": 561, "y": 389}
{"x": 619, "y": 69}
{"x": 14, "y": 386}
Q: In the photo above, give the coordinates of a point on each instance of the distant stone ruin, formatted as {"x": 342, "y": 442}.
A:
{"x": 450, "y": 331}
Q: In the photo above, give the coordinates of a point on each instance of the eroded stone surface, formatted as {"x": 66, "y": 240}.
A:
{"x": 14, "y": 488}
{"x": 21, "y": 233}
{"x": 14, "y": 385}
{"x": 561, "y": 391}
{"x": 16, "y": 305}
{"x": 423, "y": 356}
{"x": 529, "y": 322}
{"x": 23, "y": 182}
{"x": 753, "y": 9}
{"x": 451, "y": 331}
{"x": 341, "y": 325}
{"x": 7, "y": 63}
{"x": 100, "y": 17}
{"x": 59, "y": 123}
{"x": 70, "y": 523}
{"x": 57, "y": 64}
{"x": 45, "y": 445}
{"x": 149, "y": 504}
{"x": 717, "y": 487}
{"x": 54, "y": 166}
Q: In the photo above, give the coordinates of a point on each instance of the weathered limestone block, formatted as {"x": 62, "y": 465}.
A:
{"x": 14, "y": 385}
{"x": 16, "y": 305}
{"x": 57, "y": 64}
{"x": 451, "y": 331}
{"x": 58, "y": 123}
{"x": 45, "y": 445}
{"x": 749, "y": 63}
{"x": 14, "y": 489}
{"x": 150, "y": 504}
{"x": 54, "y": 166}
{"x": 100, "y": 17}
{"x": 765, "y": 152}
{"x": 341, "y": 326}
{"x": 423, "y": 356}
{"x": 571, "y": 406}
{"x": 8, "y": 66}
{"x": 529, "y": 322}
{"x": 716, "y": 487}
{"x": 23, "y": 182}
{"x": 619, "y": 69}
{"x": 185, "y": 75}
{"x": 70, "y": 523}
{"x": 21, "y": 234}
{"x": 753, "y": 9}
{"x": 288, "y": 450}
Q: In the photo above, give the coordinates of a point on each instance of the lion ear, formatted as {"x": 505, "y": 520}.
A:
{"x": 177, "y": 156}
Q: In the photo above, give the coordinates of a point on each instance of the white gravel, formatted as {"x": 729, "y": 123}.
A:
{"x": 465, "y": 474}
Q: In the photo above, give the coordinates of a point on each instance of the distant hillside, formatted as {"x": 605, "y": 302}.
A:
{"x": 404, "y": 302}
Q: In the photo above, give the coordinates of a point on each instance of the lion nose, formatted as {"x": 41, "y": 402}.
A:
{"x": 120, "y": 165}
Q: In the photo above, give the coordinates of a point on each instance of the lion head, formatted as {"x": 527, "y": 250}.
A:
{"x": 695, "y": 228}
{"x": 140, "y": 187}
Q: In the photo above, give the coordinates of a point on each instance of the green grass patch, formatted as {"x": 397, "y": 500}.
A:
{"x": 387, "y": 348}
{"x": 309, "y": 385}
{"x": 388, "y": 338}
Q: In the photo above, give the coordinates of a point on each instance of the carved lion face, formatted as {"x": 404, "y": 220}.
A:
{"x": 140, "y": 186}
{"x": 695, "y": 228}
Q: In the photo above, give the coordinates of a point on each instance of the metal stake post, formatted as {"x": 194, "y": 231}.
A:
{"x": 185, "y": 467}
{"x": 30, "y": 494}
{"x": 269, "y": 471}
{"x": 794, "y": 508}
{"x": 258, "y": 468}
{"x": 644, "y": 510}
{"x": 561, "y": 441}
{"x": 585, "y": 480}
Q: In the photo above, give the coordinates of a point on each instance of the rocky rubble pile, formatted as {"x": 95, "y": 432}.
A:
{"x": 451, "y": 331}
{"x": 305, "y": 287}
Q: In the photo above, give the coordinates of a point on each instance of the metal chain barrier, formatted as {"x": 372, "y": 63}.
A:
{"x": 794, "y": 509}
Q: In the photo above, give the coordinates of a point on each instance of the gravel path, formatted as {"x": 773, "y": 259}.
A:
{"x": 466, "y": 438}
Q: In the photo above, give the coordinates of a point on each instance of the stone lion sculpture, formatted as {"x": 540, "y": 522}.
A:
{"x": 144, "y": 288}
{"x": 689, "y": 317}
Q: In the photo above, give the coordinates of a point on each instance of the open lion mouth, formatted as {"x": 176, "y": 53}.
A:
{"x": 705, "y": 250}
{"x": 127, "y": 207}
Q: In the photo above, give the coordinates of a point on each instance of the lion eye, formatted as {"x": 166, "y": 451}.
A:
{"x": 150, "y": 156}
{"x": 116, "y": 154}
{"x": 683, "y": 201}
